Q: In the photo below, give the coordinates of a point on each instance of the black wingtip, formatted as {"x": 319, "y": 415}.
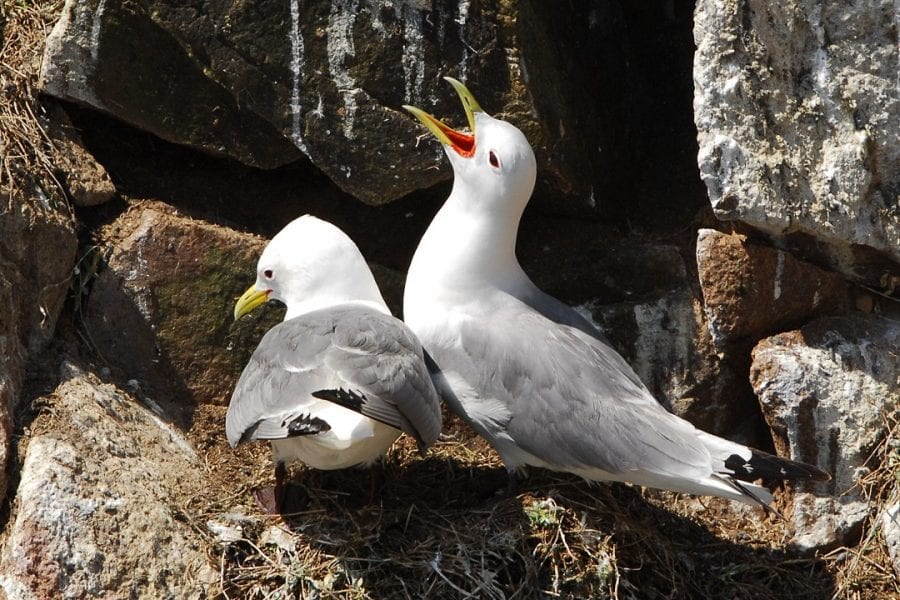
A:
{"x": 768, "y": 466}
{"x": 430, "y": 364}
{"x": 307, "y": 425}
{"x": 346, "y": 398}
{"x": 358, "y": 403}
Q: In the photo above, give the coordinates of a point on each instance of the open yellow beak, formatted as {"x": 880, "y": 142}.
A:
{"x": 250, "y": 300}
{"x": 462, "y": 143}
{"x": 468, "y": 100}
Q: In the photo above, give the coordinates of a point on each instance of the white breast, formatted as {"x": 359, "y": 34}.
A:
{"x": 353, "y": 440}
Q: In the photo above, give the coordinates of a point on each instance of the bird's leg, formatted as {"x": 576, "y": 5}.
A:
{"x": 512, "y": 483}
{"x": 280, "y": 492}
{"x": 511, "y": 490}
{"x": 376, "y": 479}
{"x": 271, "y": 499}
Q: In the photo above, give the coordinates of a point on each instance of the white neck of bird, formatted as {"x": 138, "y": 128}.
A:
{"x": 465, "y": 246}
{"x": 296, "y": 309}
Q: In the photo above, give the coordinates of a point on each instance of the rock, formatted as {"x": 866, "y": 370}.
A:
{"x": 890, "y": 529}
{"x": 162, "y": 312}
{"x": 94, "y": 50}
{"x": 824, "y": 390}
{"x": 796, "y": 110}
{"x": 272, "y": 83}
{"x": 640, "y": 295}
{"x": 85, "y": 179}
{"x": 751, "y": 291}
{"x": 97, "y": 512}
{"x": 37, "y": 253}
{"x": 269, "y": 84}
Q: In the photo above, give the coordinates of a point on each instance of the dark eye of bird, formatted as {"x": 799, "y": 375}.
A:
{"x": 268, "y": 273}
{"x": 492, "y": 158}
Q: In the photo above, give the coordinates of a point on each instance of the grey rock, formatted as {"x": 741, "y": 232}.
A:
{"x": 267, "y": 84}
{"x": 824, "y": 390}
{"x": 86, "y": 180}
{"x": 270, "y": 83}
{"x": 120, "y": 58}
{"x": 97, "y": 508}
{"x": 37, "y": 254}
{"x": 890, "y": 529}
{"x": 796, "y": 108}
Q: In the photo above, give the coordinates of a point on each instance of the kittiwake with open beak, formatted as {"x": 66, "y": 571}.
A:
{"x": 526, "y": 371}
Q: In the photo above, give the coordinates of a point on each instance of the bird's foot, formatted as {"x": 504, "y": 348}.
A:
{"x": 267, "y": 498}
{"x": 504, "y": 492}
{"x": 280, "y": 500}
{"x": 512, "y": 484}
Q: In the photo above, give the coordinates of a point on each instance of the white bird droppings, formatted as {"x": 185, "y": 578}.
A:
{"x": 779, "y": 273}
{"x": 339, "y": 46}
{"x": 297, "y": 50}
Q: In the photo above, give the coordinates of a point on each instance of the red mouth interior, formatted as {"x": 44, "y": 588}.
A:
{"x": 463, "y": 143}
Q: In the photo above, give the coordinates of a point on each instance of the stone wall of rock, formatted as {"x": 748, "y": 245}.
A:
{"x": 97, "y": 507}
{"x": 796, "y": 106}
{"x": 745, "y": 318}
{"x": 276, "y": 82}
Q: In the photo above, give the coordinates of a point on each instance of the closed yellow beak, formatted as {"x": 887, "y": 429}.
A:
{"x": 249, "y": 300}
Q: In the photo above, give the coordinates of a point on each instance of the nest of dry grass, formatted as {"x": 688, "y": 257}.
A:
{"x": 440, "y": 526}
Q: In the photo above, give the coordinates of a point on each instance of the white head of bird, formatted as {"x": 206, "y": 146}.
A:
{"x": 495, "y": 161}
{"x": 472, "y": 239}
{"x": 309, "y": 265}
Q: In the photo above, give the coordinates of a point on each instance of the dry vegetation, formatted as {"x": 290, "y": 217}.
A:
{"x": 439, "y": 526}
{"x": 26, "y": 152}
{"x": 434, "y": 526}
{"x": 867, "y": 566}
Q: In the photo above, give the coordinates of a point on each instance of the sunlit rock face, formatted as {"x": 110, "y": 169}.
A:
{"x": 796, "y": 110}
{"x": 826, "y": 390}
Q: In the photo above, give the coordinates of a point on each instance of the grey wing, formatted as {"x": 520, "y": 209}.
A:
{"x": 569, "y": 399}
{"x": 560, "y": 312}
{"x": 356, "y": 350}
{"x": 285, "y": 369}
{"x": 383, "y": 363}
